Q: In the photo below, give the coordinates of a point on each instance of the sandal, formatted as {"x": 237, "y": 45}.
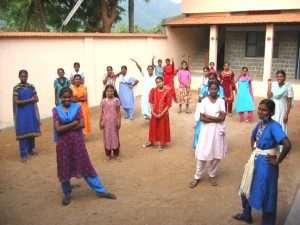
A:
{"x": 159, "y": 148}
{"x": 147, "y": 145}
{"x": 194, "y": 183}
{"x": 24, "y": 160}
{"x": 188, "y": 112}
{"x": 108, "y": 195}
{"x": 66, "y": 200}
{"x": 213, "y": 181}
{"x": 179, "y": 111}
{"x": 241, "y": 217}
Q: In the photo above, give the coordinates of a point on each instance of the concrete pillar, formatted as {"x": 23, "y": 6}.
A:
{"x": 213, "y": 44}
{"x": 268, "y": 52}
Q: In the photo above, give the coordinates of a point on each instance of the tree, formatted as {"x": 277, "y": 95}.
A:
{"x": 26, "y": 15}
{"x": 40, "y": 15}
{"x": 131, "y": 15}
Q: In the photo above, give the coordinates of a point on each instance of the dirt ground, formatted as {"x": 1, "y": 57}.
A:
{"x": 152, "y": 187}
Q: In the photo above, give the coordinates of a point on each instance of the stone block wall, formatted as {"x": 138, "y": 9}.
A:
{"x": 235, "y": 51}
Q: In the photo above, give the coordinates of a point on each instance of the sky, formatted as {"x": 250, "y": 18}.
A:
{"x": 176, "y": 1}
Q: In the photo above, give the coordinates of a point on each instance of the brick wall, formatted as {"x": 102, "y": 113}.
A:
{"x": 235, "y": 50}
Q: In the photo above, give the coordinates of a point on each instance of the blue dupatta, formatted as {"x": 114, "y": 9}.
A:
{"x": 279, "y": 92}
{"x": 66, "y": 117}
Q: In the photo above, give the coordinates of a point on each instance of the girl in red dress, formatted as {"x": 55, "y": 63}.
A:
{"x": 169, "y": 74}
{"x": 161, "y": 100}
{"x": 227, "y": 81}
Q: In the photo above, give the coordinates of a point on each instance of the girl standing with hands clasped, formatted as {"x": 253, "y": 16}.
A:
{"x": 259, "y": 188}
{"x": 110, "y": 122}
{"x": 161, "y": 100}
{"x": 127, "y": 83}
{"x": 60, "y": 83}
{"x": 227, "y": 81}
{"x": 283, "y": 95}
{"x": 245, "y": 97}
{"x": 80, "y": 95}
{"x": 184, "y": 78}
{"x": 212, "y": 144}
{"x": 110, "y": 77}
{"x": 72, "y": 157}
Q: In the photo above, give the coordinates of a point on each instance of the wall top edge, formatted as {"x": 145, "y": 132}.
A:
{"x": 77, "y": 35}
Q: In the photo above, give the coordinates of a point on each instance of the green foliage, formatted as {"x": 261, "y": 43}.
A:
{"x": 123, "y": 28}
{"x": 19, "y": 15}
{"x": 23, "y": 16}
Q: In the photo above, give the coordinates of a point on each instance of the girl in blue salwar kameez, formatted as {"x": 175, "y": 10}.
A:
{"x": 126, "y": 92}
{"x": 263, "y": 191}
{"x": 26, "y": 115}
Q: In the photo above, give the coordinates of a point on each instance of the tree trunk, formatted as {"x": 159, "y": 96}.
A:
{"x": 41, "y": 13}
{"x": 108, "y": 18}
{"x": 131, "y": 15}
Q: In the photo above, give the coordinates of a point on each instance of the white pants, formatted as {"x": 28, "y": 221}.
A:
{"x": 212, "y": 171}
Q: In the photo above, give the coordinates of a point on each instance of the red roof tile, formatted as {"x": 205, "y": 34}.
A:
{"x": 249, "y": 19}
{"x": 76, "y": 35}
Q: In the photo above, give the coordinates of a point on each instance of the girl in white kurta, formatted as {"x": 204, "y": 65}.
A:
{"x": 212, "y": 144}
{"x": 149, "y": 83}
{"x": 282, "y": 94}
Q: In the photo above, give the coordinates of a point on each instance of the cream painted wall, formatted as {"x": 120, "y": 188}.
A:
{"x": 196, "y": 6}
{"x": 41, "y": 57}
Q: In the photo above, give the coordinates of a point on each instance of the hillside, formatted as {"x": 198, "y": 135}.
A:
{"x": 147, "y": 15}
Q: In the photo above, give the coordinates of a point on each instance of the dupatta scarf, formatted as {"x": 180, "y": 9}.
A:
{"x": 279, "y": 92}
{"x": 66, "y": 117}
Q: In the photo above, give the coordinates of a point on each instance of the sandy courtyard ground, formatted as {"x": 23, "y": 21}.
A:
{"x": 152, "y": 187}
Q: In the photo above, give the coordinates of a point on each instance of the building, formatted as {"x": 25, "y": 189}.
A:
{"x": 260, "y": 34}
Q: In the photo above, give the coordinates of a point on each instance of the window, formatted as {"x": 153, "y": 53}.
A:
{"x": 255, "y": 44}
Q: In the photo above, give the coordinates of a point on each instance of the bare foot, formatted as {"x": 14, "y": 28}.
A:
{"x": 118, "y": 159}
{"x": 107, "y": 159}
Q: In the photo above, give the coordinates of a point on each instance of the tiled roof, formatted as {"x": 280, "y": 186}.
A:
{"x": 249, "y": 19}
{"x": 76, "y": 35}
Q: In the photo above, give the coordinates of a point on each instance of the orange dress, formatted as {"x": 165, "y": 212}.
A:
{"x": 79, "y": 93}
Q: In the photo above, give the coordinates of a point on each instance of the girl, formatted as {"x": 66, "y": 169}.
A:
{"x": 283, "y": 95}
{"x": 204, "y": 78}
{"x": 159, "y": 69}
{"x": 161, "y": 100}
{"x": 227, "y": 81}
{"x": 212, "y": 144}
{"x": 261, "y": 193}
{"x": 76, "y": 70}
{"x": 110, "y": 77}
{"x": 27, "y": 123}
{"x": 110, "y": 122}
{"x": 212, "y": 69}
{"x": 72, "y": 157}
{"x": 169, "y": 74}
{"x": 184, "y": 78}
{"x": 126, "y": 93}
{"x": 59, "y": 83}
{"x": 80, "y": 95}
{"x": 245, "y": 97}
{"x": 213, "y": 77}
{"x": 149, "y": 83}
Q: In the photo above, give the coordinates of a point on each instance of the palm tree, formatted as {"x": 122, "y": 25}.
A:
{"x": 131, "y": 14}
